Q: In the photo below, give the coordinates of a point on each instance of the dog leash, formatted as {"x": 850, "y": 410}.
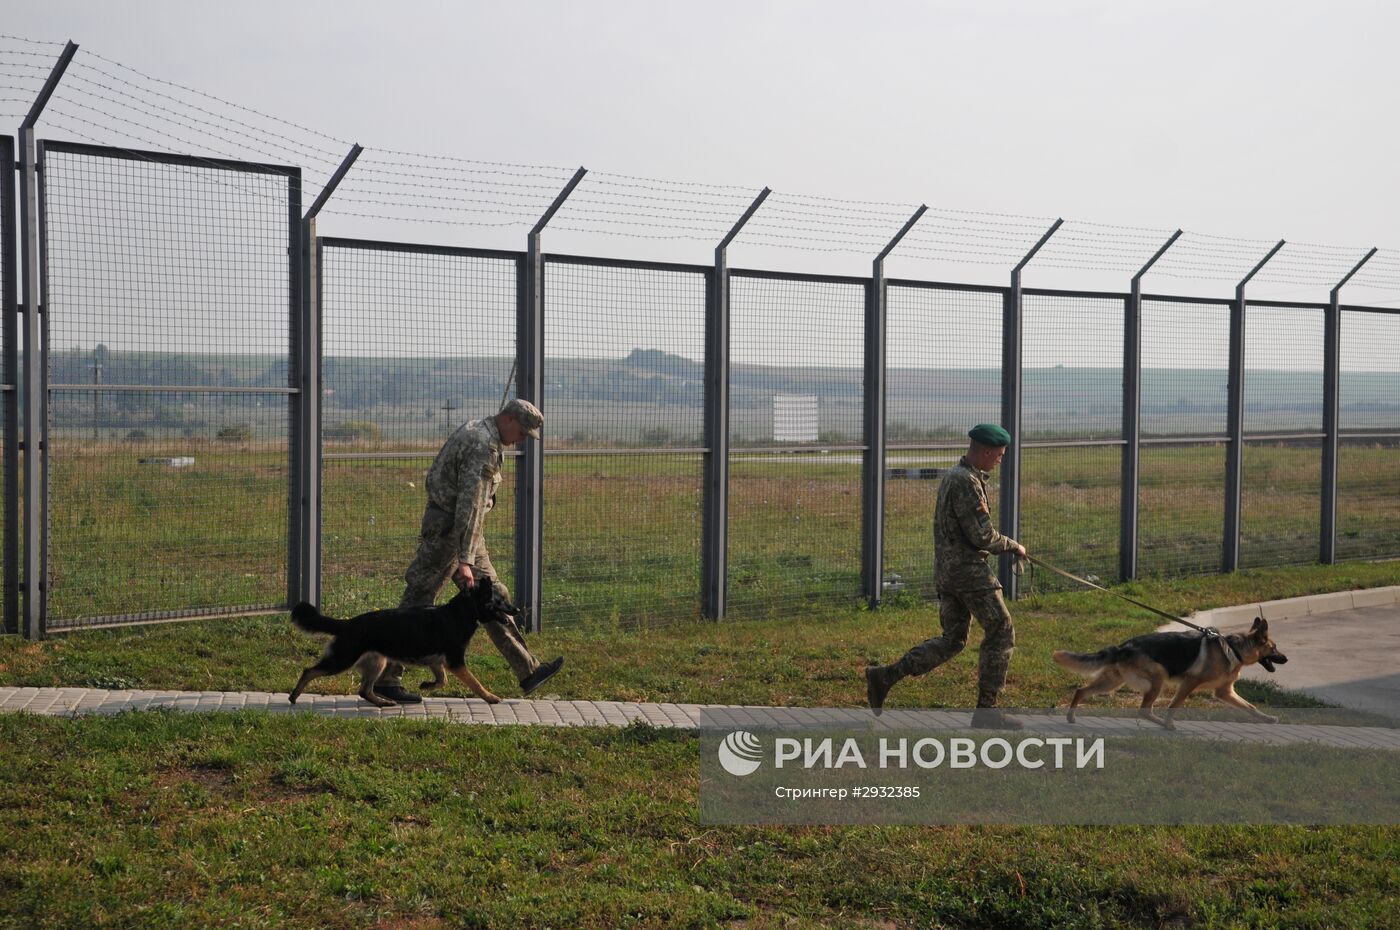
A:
{"x": 1208, "y": 630}
{"x": 1232, "y": 655}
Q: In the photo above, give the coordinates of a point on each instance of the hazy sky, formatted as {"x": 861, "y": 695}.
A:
{"x": 1242, "y": 119}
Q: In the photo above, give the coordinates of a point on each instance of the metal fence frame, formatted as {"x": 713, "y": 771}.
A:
{"x": 9, "y": 387}
{"x": 39, "y": 389}
{"x": 306, "y": 279}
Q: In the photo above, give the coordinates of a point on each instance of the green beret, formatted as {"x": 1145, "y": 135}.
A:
{"x": 989, "y": 434}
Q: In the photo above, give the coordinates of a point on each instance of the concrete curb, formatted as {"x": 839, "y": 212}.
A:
{"x": 1311, "y": 605}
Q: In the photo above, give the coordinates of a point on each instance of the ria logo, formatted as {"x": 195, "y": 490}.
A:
{"x": 740, "y": 753}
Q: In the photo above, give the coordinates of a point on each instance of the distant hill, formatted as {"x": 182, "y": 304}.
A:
{"x": 611, "y": 398}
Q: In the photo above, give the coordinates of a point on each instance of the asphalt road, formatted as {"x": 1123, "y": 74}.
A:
{"x": 1350, "y": 658}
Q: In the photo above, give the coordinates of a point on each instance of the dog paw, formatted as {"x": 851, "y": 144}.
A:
{"x": 1267, "y": 718}
{"x": 491, "y": 699}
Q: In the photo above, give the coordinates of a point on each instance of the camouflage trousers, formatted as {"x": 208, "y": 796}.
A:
{"x": 955, "y": 611}
{"x": 431, "y": 568}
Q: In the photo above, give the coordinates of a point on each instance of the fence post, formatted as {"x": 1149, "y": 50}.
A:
{"x": 304, "y": 570}
{"x": 529, "y": 385}
{"x": 714, "y": 530}
{"x": 8, "y": 270}
{"x": 1132, "y": 420}
{"x": 1234, "y": 455}
{"x": 1011, "y": 409}
{"x": 1331, "y": 413}
{"x": 872, "y": 527}
{"x": 36, "y": 362}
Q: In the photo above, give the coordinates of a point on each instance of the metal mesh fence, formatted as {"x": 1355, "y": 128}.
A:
{"x": 1368, "y": 459}
{"x": 943, "y": 375}
{"x": 1185, "y": 375}
{"x": 1072, "y": 394}
{"x": 416, "y": 341}
{"x": 1280, "y": 511}
{"x": 624, "y": 409}
{"x": 168, "y": 289}
{"x": 1181, "y": 508}
{"x": 1283, "y": 369}
{"x": 170, "y": 281}
{"x": 796, "y": 394}
{"x": 1185, "y": 368}
{"x": 1281, "y": 514}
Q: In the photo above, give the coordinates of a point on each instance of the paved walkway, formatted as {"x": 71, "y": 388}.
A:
{"x": 67, "y": 702}
{"x": 1343, "y": 648}
{"x": 1350, "y": 658}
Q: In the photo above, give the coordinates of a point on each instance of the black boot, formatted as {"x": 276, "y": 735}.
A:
{"x": 988, "y": 716}
{"x": 541, "y": 674}
{"x": 879, "y": 679}
{"x": 398, "y": 694}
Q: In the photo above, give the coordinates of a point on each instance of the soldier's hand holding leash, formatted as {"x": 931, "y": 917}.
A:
{"x": 463, "y": 576}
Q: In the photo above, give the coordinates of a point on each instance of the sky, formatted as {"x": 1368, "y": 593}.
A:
{"x": 1246, "y": 120}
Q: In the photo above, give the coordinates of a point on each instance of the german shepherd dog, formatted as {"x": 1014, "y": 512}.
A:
{"x": 434, "y": 637}
{"x": 1192, "y": 660}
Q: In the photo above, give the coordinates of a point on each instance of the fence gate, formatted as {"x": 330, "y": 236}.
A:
{"x": 170, "y": 287}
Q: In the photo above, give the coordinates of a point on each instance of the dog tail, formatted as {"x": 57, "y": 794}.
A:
{"x": 308, "y": 618}
{"x": 1085, "y": 663}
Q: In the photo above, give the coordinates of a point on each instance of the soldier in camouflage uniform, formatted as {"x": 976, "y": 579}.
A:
{"x": 963, "y": 537}
{"x": 461, "y": 487}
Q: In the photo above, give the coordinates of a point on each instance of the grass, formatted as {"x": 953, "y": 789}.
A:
{"x": 622, "y": 532}
{"x": 245, "y": 820}
{"x": 157, "y": 820}
{"x": 162, "y": 820}
{"x": 807, "y": 660}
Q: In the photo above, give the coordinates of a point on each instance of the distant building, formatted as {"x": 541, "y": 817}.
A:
{"x": 795, "y": 417}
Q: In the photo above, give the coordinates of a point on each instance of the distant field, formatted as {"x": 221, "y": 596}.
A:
{"x": 622, "y": 532}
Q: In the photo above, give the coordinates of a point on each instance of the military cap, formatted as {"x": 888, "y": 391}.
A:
{"x": 989, "y": 434}
{"x": 526, "y": 414}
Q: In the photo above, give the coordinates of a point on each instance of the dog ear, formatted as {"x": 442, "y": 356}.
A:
{"x": 1260, "y": 627}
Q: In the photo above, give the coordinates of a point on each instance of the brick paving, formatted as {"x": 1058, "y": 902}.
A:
{"x": 69, "y": 702}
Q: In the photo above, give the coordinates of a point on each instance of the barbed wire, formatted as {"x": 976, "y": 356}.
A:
{"x": 102, "y": 100}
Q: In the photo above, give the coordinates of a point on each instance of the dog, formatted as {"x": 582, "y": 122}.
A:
{"x": 1192, "y": 660}
{"x": 435, "y": 637}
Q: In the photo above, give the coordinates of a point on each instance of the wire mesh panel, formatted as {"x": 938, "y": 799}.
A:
{"x": 416, "y": 341}
{"x": 625, "y": 392}
{"x": 942, "y": 377}
{"x": 1181, "y": 508}
{"x": 1185, "y": 368}
{"x": 1281, "y": 510}
{"x": 169, "y": 286}
{"x": 9, "y": 386}
{"x": 1283, "y": 370}
{"x": 1072, "y": 395}
{"x": 1181, "y": 485}
{"x": 796, "y": 395}
{"x": 1368, "y": 459}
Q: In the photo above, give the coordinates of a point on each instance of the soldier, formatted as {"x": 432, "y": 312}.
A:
{"x": 461, "y": 488}
{"x": 967, "y": 586}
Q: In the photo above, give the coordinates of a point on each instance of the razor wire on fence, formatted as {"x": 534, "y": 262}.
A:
{"x": 172, "y": 259}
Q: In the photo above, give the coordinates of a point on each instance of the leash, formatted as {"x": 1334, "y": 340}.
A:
{"x": 1207, "y": 630}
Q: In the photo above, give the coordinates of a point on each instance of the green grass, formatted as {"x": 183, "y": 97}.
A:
{"x": 157, "y": 820}
{"x": 807, "y": 660}
{"x": 162, "y": 820}
{"x": 622, "y": 533}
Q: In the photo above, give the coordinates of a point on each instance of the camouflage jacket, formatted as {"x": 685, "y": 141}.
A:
{"x": 963, "y": 535}
{"x": 463, "y": 480}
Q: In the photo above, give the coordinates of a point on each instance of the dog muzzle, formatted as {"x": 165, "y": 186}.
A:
{"x": 1269, "y": 661}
